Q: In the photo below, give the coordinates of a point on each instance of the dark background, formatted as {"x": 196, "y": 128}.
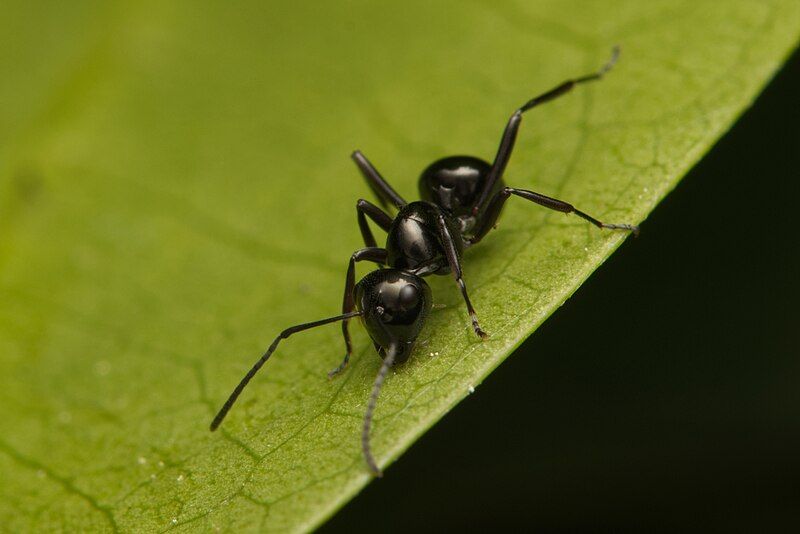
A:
{"x": 665, "y": 394}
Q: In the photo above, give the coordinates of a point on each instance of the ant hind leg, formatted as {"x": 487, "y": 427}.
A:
{"x": 489, "y": 217}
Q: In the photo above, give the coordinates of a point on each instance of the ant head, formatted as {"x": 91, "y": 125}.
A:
{"x": 394, "y": 305}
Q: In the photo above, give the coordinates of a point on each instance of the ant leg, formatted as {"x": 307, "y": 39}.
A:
{"x": 455, "y": 267}
{"x": 374, "y": 254}
{"x": 510, "y": 133}
{"x": 366, "y": 209}
{"x": 261, "y": 361}
{"x": 379, "y": 186}
{"x": 492, "y": 212}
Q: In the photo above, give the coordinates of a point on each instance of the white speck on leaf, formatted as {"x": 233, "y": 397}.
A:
{"x": 102, "y": 368}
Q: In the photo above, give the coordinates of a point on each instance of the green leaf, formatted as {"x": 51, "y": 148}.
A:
{"x": 175, "y": 189}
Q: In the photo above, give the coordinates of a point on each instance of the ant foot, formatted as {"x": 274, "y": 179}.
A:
{"x": 475, "y": 326}
{"x": 341, "y": 367}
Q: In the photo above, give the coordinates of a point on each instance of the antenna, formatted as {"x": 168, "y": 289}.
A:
{"x": 261, "y": 361}
{"x": 388, "y": 361}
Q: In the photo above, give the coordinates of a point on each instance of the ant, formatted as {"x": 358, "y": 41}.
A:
{"x": 462, "y": 197}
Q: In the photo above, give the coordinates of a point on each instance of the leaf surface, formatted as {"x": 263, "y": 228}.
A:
{"x": 175, "y": 189}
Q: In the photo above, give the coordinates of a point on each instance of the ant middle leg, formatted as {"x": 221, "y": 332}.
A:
{"x": 489, "y": 217}
{"x": 455, "y": 267}
{"x": 510, "y": 133}
{"x": 385, "y": 193}
{"x": 373, "y": 254}
{"x": 366, "y": 209}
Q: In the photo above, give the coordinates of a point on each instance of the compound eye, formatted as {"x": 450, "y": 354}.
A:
{"x": 408, "y": 297}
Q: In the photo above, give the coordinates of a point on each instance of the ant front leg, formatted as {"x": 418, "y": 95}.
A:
{"x": 489, "y": 217}
{"x": 455, "y": 267}
{"x": 385, "y": 193}
{"x": 374, "y": 254}
{"x": 366, "y": 209}
{"x": 510, "y": 133}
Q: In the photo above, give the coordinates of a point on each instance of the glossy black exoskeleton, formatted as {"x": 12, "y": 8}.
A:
{"x": 455, "y": 183}
{"x": 414, "y": 241}
{"x": 422, "y": 239}
{"x": 393, "y": 305}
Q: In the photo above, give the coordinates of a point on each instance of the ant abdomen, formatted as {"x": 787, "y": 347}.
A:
{"x": 455, "y": 183}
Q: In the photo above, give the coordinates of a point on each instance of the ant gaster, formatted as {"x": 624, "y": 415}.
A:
{"x": 462, "y": 200}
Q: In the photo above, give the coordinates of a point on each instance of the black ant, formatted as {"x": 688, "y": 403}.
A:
{"x": 462, "y": 200}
